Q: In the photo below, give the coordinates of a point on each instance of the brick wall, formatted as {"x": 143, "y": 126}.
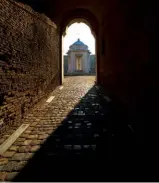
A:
{"x": 29, "y": 60}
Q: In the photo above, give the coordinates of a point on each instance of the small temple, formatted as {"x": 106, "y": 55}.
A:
{"x": 79, "y": 59}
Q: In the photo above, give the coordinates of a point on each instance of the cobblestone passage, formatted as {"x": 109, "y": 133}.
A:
{"x": 68, "y": 139}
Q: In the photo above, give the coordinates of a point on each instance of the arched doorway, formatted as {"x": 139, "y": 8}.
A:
{"x": 79, "y": 16}
{"x": 79, "y": 51}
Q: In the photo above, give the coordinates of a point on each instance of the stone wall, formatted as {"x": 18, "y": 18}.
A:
{"x": 29, "y": 60}
{"x": 93, "y": 63}
{"x": 127, "y": 67}
{"x": 65, "y": 64}
{"x": 125, "y": 64}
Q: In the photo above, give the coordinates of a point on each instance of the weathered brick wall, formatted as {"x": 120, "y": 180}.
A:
{"x": 29, "y": 60}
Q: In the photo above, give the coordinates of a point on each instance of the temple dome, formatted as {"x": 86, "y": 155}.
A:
{"x": 78, "y": 45}
{"x": 78, "y": 42}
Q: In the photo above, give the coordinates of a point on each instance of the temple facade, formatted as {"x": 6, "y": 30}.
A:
{"x": 79, "y": 60}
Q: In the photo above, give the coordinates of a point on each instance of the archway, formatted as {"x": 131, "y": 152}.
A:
{"x": 79, "y": 16}
{"x": 79, "y": 52}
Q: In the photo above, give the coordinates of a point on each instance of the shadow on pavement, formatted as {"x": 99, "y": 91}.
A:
{"x": 84, "y": 146}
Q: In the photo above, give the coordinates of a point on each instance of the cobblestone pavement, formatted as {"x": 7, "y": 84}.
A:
{"x": 68, "y": 139}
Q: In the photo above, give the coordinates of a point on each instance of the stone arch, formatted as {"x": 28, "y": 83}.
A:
{"x": 84, "y": 16}
{"x": 80, "y": 15}
{"x": 79, "y": 20}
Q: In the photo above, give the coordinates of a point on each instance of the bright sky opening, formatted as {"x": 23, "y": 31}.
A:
{"x": 81, "y": 31}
